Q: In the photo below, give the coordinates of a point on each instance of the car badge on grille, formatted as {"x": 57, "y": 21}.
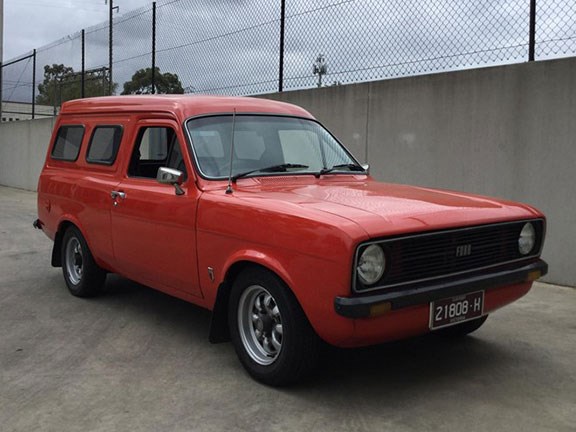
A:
{"x": 463, "y": 250}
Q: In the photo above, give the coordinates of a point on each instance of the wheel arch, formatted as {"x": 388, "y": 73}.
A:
{"x": 65, "y": 222}
{"x": 219, "y": 331}
{"x": 57, "y": 247}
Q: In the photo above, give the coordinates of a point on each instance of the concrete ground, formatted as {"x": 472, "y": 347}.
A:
{"x": 137, "y": 360}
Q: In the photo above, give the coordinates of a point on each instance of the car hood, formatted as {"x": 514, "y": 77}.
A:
{"x": 384, "y": 208}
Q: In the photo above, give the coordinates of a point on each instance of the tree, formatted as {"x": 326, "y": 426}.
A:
{"x": 61, "y": 84}
{"x": 141, "y": 83}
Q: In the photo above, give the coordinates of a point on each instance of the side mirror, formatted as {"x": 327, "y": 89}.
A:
{"x": 366, "y": 168}
{"x": 172, "y": 177}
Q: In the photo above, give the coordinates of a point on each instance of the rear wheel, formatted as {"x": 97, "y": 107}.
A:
{"x": 271, "y": 334}
{"x": 461, "y": 330}
{"x": 82, "y": 275}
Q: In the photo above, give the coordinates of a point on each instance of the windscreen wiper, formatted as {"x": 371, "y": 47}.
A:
{"x": 349, "y": 167}
{"x": 274, "y": 168}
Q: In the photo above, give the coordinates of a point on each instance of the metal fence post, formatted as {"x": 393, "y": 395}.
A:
{"x": 1, "y": 85}
{"x": 1, "y": 54}
{"x": 281, "y": 53}
{"x": 33, "y": 84}
{"x": 82, "y": 78}
{"x": 532, "y": 37}
{"x": 110, "y": 36}
{"x": 153, "y": 47}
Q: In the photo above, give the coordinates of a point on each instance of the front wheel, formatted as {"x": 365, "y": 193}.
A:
{"x": 271, "y": 334}
{"x": 82, "y": 275}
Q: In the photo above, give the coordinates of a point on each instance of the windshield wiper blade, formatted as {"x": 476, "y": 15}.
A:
{"x": 274, "y": 168}
{"x": 349, "y": 166}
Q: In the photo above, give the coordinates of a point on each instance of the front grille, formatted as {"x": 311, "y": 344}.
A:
{"x": 444, "y": 253}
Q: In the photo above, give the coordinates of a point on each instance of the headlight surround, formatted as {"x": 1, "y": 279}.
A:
{"x": 371, "y": 265}
{"x": 527, "y": 239}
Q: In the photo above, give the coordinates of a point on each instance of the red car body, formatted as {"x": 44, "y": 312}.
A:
{"x": 304, "y": 228}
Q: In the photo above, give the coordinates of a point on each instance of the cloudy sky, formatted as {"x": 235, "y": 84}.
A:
{"x": 232, "y": 46}
{"x": 30, "y": 24}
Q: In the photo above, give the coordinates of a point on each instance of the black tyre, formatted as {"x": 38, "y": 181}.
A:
{"x": 460, "y": 330}
{"x": 271, "y": 334}
{"x": 82, "y": 275}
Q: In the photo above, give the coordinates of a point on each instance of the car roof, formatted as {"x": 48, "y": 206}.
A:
{"x": 184, "y": 106}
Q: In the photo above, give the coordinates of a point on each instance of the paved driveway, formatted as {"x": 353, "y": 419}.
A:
{"x": 137, "y": 360}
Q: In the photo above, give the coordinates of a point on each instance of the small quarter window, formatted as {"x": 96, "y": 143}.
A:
{"x": 104, "y": 144}
{"x": 68, "y": 142}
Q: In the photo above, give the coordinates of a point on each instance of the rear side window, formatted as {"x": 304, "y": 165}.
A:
{"x": 68, "y": 142}
{"x": 104, "y": 144}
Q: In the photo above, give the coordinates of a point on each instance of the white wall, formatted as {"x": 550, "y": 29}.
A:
{"x": 507, "y": 131}
{"x": 23, "y": 147}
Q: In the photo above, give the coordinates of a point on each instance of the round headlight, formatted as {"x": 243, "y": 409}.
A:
{"x": 527, "y": 239}
{"x": 371, "y": 265}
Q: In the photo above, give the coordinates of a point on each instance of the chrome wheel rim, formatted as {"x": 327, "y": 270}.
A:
{"x": 74, "y": 260}
{"x": 260, "y": 325}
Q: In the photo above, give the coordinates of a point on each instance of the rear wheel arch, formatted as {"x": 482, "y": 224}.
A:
{"x": 83, "y": 276}
{"x": 57, "y": 247}
{"x": 63, "y": 226}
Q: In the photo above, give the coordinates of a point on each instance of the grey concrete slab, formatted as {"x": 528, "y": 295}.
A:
{"x": 137, "y": 360}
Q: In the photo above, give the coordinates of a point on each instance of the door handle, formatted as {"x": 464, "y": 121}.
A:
{"x": 117, "y": 194}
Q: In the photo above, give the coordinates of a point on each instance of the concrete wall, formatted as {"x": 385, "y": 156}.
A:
{"x": 23, "y": 146}
{"x": 506, "y": 131}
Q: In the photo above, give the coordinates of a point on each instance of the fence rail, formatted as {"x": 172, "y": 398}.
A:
{"x": 258, "y": 46}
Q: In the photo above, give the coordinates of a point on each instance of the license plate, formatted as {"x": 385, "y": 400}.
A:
{"x": 454, "y": 310}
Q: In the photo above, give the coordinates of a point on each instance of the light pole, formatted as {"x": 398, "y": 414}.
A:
{"x": 320, "y": 68}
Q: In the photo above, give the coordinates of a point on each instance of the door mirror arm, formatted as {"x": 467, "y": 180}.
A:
{"x": 171, "y": 176}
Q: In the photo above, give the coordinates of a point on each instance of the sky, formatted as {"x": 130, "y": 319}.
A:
{"x": 30, "y": 24}
{"x": 232, "y": 46}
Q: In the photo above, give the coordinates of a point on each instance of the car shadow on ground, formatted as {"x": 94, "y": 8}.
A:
{"x": 409, "y": 363}
{"x": 147, "y": 303}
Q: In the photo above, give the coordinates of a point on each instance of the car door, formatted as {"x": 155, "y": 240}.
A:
{"x": 153, "y": 228}
{"x": 96, "y": 176}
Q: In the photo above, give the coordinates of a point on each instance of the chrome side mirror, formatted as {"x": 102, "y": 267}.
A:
{"x": 366, "y": 168}
{"x": 172, "y": 177}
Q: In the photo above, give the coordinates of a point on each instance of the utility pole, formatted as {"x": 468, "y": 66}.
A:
{"x": 320, "y": 67}
{"x": 110, "y": 44}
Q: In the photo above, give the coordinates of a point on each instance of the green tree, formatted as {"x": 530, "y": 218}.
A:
{"x": 61, "y": 84}
{"x": 141, "y": 83}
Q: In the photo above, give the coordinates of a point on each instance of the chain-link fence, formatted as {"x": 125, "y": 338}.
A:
{"x": 257, "y": 46}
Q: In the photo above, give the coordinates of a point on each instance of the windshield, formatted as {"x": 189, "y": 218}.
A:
{"x": 266, "y": 145}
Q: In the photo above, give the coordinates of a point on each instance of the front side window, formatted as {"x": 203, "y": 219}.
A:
{"x": 155, "y": 147}
{"x": 68, "y": 142}
{"x": 104, "y": 145}
{"x": 273, "y": 144}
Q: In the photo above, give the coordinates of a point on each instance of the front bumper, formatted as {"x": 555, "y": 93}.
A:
{"x": 373, "y": 305}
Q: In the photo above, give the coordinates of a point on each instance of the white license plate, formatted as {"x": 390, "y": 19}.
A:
{"x": 454, "y": 310}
